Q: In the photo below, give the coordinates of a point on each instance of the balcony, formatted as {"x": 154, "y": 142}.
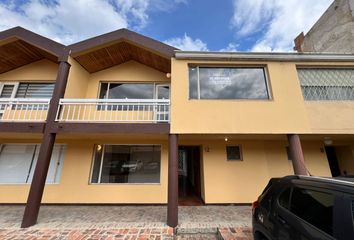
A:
{"x": 114, "y": 110}
{"x": 23, "y": 109}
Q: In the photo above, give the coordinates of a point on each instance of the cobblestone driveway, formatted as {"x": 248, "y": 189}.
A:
{"x": 120, "y": 222}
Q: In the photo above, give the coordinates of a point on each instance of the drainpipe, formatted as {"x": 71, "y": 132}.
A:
{"x": 40, "y": 174}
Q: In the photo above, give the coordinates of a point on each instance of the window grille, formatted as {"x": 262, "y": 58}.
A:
{"x": 327, "y": 84}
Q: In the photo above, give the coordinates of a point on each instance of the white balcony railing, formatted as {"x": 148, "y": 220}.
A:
{"x": 23, "y": 109}
{"x": 113, "y": 110}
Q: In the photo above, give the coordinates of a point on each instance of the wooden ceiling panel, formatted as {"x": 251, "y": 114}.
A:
{"x": 119, "y": 53}
{"x": 19, "y": 53}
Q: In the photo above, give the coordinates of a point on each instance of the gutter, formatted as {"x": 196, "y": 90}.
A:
{"x": 259, "y": 56}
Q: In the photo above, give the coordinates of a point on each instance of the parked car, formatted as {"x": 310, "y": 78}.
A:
{"x": 132, "y": 166}
{"x": 301, "y": 207}
{"x": 152, "y": 166}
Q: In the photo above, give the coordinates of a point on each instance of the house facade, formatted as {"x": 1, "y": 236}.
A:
{"x": 125, "y": 119}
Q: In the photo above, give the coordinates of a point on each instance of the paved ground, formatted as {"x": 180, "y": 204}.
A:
{"x": 125, "y": 222}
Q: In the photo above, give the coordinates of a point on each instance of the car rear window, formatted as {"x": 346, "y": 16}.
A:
{"x": 314, "y": 207}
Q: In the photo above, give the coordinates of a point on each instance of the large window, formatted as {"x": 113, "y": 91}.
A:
{"x": 227, "y": 83}
{"x": 126, "y": 164}
{"x": 18, "y": 161}
{"x": 134, "y": 91}
{"x": 314, "y": 207}
{"x": 327, "y": 84}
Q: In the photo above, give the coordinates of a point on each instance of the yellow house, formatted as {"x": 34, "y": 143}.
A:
{"x": 125, "y": 119}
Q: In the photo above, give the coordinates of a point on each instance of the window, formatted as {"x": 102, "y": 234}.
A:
{"x": 35, "y": 90}
{"x": 127, "y": 91}
{"x": 18, "y": 161}
{"x": 314, "y": 207}
{"x": 126, "y": 164}
{"x": 233, "y": 153}
{"x": 227, "y": 83}
{"x": 327, "y": 84}
{"x": 284, "y": 198}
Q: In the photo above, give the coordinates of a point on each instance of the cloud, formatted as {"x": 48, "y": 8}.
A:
{"x": 275, "y": 22}
{"x": 187, "y": 43}
{"x": 69, "y": 21}
{"x": 231, "y": 47}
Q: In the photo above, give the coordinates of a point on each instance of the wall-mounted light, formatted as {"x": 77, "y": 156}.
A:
{"x": 168, "y": 75}
{"x": 328, "y": 141}
{"x": 99, "y": 148}
{"x": 226, "y": 139}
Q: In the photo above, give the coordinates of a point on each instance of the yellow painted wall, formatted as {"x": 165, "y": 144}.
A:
{"x": 74, "y": 184}
{"x": 243, "y": 181}
{"x": 285, "y": 112}
{"x": 41, "y": 70}
{"x": 76, "y": 86}
{"x": 127, "y": 72}
{"x": 331, "y": 116}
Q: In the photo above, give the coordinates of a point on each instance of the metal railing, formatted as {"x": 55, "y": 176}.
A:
{"x": 113, "y": 110}
{"x": 23, "y": 109}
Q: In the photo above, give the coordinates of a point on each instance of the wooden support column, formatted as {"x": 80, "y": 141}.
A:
{"x": 40, "y": 174}
{"x": 172, "y": 205}
{"x": 297, "y": 154}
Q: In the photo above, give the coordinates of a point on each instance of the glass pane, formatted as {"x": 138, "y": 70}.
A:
{"x": 131, "y": 91}
{"x": 233, "y": 153}
{"x": 55, "y": 165}
{"x": 130, "y": 164}
{"x": 309, "y": 205}
{"x": 35, "y": 90}
{"x": 327, "y": 84}
{"x": 103, "y": 90}
{"x": 284, "y": 198}
{"x": 230, "y": 83}
{"x": 163, "y": 92}
{"x": 7, "y": 91}
{"x": 193, "y": 83}
{"x": 15, "y": 162}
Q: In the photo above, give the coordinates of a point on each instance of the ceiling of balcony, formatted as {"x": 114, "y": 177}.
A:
{"x": 119, "y": 53}
{"x": 19, "y": 53}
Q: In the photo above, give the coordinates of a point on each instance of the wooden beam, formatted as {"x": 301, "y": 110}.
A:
{"x": 22, "y": 127}
{"x": 172, "y": 205}
{"x": 40, "y": 174}
{"x": 134, "y": 128}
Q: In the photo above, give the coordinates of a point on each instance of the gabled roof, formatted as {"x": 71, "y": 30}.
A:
{"x": 19, "y": 46}
{"x": 117, "y": 47}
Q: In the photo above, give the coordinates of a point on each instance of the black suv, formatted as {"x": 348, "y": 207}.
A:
{"x": 299, "y": 207}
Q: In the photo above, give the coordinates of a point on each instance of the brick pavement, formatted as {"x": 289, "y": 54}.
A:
{"x": 126, "y": 222}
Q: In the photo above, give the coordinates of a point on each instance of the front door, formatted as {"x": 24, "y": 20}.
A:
{"x": 189, "y": 177}
{"x": 333, "y": 161}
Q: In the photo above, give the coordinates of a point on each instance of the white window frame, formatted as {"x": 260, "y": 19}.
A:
{"x": 61, "y": 158}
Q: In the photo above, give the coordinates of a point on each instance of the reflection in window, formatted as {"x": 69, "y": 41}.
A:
{"x": 127, "y": 91}
{"x": 227, "y": 83}
{"x": 126, "y": 164}
{"x": 309, "y": 204}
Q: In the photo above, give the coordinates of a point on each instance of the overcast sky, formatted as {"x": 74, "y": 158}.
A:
{"x": 226, "y": 25}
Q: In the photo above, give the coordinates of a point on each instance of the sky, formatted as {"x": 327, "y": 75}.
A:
{"x": 194, "y": 25}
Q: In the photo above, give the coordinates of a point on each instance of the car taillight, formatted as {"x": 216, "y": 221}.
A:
{"x": 254, "y": 206}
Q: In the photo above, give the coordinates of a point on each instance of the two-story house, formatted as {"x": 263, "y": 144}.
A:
{"x": 125, "y": 119}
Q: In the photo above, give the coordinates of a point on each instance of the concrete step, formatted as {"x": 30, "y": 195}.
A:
{"x": 204, "y": 230}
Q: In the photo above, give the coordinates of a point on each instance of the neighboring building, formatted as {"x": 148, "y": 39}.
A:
{"x": 130, "y": 117}
{"x": 332, "y": 33}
